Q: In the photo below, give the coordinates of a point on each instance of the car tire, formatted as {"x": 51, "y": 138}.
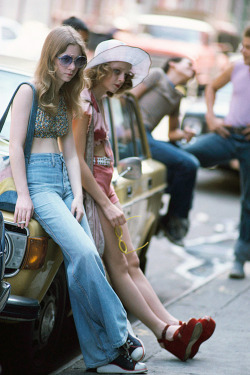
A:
{"x": 36, "y": 342}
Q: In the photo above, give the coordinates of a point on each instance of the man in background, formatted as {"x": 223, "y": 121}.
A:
{"x": 230, "y": 139}
{"x": 79, "y": 26}
{"x": 158, "y": 97}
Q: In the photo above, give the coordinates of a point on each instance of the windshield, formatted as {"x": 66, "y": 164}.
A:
{"x": 8, "y": 83}
{"x": 173, "y": 33}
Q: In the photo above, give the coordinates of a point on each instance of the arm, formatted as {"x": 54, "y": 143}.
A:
{"x": 68, "y": 149}
{"x": 112, "y": 213}
{"x": 139, "y": 90}
{"x": 215, "y": 124}
{"x": 19, "y": 123}
{"x": 177, "y": 134}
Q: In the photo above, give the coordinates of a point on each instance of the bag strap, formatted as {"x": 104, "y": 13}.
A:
{"x": 32, "y": 118}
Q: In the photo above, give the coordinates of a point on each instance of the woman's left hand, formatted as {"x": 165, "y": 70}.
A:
{"x": 188, "y": 133}
{"x": 77, "y": 208}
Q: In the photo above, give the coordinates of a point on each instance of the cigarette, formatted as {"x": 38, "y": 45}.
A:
{"x": 21, "y": 222}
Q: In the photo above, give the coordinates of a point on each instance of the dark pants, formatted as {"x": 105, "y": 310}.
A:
{"x": 181, "y": 174}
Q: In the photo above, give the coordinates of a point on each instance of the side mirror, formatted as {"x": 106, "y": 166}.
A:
{"x": 129, "y": 168}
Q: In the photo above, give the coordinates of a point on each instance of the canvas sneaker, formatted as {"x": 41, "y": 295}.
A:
{"x": 135, "y": 348}
{"x": 123, "y": 364}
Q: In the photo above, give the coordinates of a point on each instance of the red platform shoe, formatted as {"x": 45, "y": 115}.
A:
{"x": 183, "y": 340}
{"x": 208, "y": 326}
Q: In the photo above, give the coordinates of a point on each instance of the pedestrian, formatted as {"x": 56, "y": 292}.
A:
{"x": 159, "y": 97}
{"x": 229, "y": 138}
{"x": 115, "y": 68}
{"x": 49, "y": 189}
{"x": 79, "y": 26}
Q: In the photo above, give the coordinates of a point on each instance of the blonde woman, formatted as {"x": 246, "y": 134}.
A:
{"x": 115, "y": 68}
{"x": 49, "y": 189}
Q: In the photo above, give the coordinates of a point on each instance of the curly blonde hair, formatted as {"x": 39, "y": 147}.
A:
{"x": 96, "y": 74}
{"x": 56, "y": 43}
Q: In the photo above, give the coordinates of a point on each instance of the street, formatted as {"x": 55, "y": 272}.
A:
{"x": 173, "y": 270}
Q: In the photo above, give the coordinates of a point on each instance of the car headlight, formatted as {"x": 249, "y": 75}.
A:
{"x": 193, "y": 123}
{"x": 15, "y": 245}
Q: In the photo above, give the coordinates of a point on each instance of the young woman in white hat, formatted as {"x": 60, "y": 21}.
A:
{"x": 117, "y": 67}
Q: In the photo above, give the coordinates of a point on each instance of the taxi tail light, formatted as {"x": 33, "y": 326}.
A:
{"x": 36, "y": 253}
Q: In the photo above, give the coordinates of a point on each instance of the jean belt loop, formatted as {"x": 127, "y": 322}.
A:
{"x": 53, "y": 160}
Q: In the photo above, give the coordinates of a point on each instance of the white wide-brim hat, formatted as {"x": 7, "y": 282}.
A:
{"x": 115, "y": 50}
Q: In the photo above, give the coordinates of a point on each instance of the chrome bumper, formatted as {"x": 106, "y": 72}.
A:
{"x": 20, "y": 309}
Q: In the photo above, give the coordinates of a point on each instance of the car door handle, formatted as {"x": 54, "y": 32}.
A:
{"x": 150, "y": 183}
{"x": 129, "y": 191}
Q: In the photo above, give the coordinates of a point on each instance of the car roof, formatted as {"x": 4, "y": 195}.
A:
{"x": 17, "y": 65}
{"x": 172, "y": 21}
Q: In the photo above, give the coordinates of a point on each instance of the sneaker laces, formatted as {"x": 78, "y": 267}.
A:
{"x": 127, "y": 357}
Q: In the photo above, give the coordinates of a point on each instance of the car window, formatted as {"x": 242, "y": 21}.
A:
{"x": 8, "y": 83}
{"x": 127, "y": 131}
{"x": 173, "y": 33}
{"x": 8, "y": 34}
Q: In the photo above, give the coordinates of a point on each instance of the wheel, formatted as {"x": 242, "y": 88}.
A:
{"x": 47, "y": 328}
{"x": 37, "y": 341}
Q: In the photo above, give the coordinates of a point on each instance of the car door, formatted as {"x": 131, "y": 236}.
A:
{"x": 140, "y": 198}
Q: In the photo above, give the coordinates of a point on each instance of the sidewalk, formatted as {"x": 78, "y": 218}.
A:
{"x": 227, "y": 352}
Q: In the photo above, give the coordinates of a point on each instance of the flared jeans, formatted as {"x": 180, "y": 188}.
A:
{"x": 100, "y": 318}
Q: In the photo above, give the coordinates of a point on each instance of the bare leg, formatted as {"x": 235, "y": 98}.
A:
{"x": 131, "y": 285}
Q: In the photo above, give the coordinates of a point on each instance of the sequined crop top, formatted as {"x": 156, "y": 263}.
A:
{"x": 47, "y": 126}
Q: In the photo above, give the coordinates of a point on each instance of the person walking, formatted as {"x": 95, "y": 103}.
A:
{"x": 49, "y": 188}
{"x": 229, "y": 138}
{"x": 117, "y": 67}
{"x": 158, "y": 97}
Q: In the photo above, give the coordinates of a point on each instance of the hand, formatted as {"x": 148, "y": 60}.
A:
{"x": 23, "y": 211}
{"x": 114, "y": 215}
{"x": 77, "y": 209}
{"x": 246, "y": 132}
{"x": 189, "y": 133}
{"x": 216, "y": 125}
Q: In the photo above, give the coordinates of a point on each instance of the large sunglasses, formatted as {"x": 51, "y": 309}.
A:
{"x": 121, "y": 243}
{"x": 66, "y": 60}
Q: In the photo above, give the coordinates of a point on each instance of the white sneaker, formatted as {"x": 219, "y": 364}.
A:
{"x": 135, "y": 348}
{"x": 123, "y": 364}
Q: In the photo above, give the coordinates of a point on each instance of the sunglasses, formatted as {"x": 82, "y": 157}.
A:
{"x": 66, "y": 60}
{"x": 121, "y": 243}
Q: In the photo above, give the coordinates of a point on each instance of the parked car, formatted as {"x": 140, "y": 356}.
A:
{"x": 194, "y": 115}
{"x": 195, "y": 112}
{"x": 9, "y": 30}
{"x": 168, "y": 36}
{"x": 4, "y": 286}
{"x": 34, "y": 262}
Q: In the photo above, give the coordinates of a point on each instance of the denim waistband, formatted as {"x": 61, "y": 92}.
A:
{"x": 46, "y": 157}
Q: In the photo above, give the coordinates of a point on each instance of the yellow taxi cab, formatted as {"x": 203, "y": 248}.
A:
{"x": 34, "y": 263}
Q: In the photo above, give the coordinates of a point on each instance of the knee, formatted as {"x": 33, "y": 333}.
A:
{"x": 134, "y": 263}
{"x": 189, "y": 166}
{"x": 115, "y": 266}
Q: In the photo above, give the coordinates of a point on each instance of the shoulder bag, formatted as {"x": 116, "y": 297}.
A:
{"x": 8, "y": 194}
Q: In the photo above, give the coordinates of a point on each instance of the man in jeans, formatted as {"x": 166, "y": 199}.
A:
{"x": 158, "y": 97}
{"x": 230, "y": 139}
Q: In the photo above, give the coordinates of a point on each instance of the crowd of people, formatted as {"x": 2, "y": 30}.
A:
{"x": 71, "y": 162}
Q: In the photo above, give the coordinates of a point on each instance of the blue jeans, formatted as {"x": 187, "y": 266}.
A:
{"x": 212, "y": 149}
{"x": 99, "y": 316}
{"x": 181, "y": 174}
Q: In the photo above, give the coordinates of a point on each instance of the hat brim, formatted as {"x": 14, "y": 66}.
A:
{"x": 138, "y": 58}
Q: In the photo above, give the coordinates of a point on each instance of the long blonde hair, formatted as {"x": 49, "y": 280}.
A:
{"x": 56, "y": 43}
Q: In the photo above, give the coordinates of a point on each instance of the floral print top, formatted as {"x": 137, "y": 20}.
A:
{"x": 47, "y": 126}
